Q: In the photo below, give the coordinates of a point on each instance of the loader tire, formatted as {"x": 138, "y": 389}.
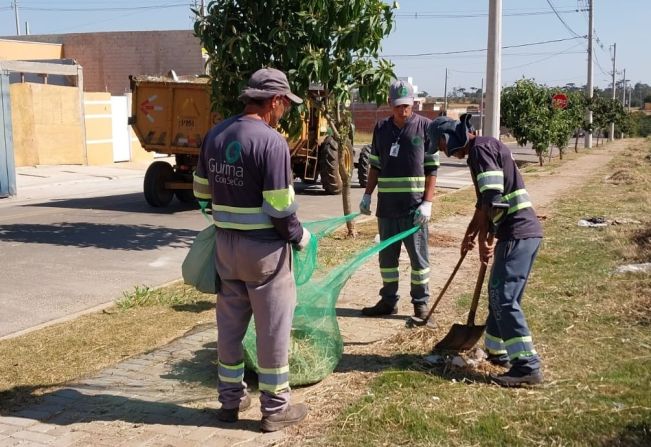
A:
{"x": 329, "y": 166}
{"x": 158, "y": 173}
{"x": 363, "y": 165}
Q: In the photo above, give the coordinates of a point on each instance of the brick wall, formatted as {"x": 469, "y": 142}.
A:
{"x": 109, "y": 58}
{"x": 366, "y": 115}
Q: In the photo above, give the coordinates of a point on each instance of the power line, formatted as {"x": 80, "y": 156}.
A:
{"x": 114, "y": 8}
{"x": 442, "y": 53}
{"x": 561, "y": 19}
{"x": 434, "y": 15}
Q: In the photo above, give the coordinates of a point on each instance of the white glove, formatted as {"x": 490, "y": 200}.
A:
{"x": 423, "y": 213}
{"x": 365, "y": 205}
{"x": 304, "y": 240}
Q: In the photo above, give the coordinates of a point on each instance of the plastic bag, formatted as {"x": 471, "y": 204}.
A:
{"x": 198, "y": 267}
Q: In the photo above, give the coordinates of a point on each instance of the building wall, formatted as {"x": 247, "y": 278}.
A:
{"x": 47, "y": 124}
{"x": 109, "y": 58}
{"x": 16, "y": 50}
{"x": 99, "y": 138}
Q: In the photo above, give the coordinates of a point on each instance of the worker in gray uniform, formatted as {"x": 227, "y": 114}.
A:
{"x": 244, "y": 170}
{"x": 404, "y": 171}
{"x": 503, "y": 207}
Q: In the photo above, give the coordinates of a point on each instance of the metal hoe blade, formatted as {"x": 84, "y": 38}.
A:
{"x": 462, "y": 337}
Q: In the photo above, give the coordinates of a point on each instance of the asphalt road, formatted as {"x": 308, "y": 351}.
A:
{"x": 77, "y": 237}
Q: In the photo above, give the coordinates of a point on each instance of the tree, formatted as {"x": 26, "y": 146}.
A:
{"x": 331, "y": 43}
{"x": 526, "y": 110}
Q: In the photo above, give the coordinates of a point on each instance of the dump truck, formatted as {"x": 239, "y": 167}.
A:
{"x": 171, "y": 115}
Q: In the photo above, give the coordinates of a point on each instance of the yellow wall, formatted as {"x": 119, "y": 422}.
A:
{"x": 47, "y": 125}
{"x": 99, "y": 138}
{"x": 17, "y": 50}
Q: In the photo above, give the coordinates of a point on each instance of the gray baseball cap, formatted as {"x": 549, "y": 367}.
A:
{"x": 268, "y": 82}
{"x": 401, "y": 93}
{"x": 455, "y": 132}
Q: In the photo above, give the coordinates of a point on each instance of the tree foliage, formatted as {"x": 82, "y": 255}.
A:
{"x": 330, "y": 43}
{"x": 526, "y": 110}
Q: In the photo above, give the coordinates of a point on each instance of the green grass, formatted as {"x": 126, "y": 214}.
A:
{"x": 591, "y": 326}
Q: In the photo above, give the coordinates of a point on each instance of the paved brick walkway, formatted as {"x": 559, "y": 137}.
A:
{"x": 163, "y": 398}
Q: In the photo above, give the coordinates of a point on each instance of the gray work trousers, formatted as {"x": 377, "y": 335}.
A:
{"x": 507, "y": 332}
{"x": 256, "y": 279}
{"x": 418, "y": 250}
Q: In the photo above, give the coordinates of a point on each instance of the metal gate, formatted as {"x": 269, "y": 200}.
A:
{"x": 120, "y": 129}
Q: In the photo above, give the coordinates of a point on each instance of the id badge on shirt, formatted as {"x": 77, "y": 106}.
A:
{"x": 393, "y": 152}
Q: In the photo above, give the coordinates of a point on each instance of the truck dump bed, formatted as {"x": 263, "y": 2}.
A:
{"x": 171, "y": 116}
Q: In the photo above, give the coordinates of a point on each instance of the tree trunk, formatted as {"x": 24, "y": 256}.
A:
{"x": 576, "y": 142}
{"x": 541, "y": 159}
{"x": 345, "y": 192}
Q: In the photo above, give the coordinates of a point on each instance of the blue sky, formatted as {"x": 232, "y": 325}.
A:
{"x": 422, "y": 26}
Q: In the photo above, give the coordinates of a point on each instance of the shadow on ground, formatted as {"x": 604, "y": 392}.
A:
{"x": 131, "y": 203}
{"x": 108, "y": 236}
{"x": 70, "y": 406}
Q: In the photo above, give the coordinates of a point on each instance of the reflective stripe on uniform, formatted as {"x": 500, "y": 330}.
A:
{"x": 273, "y": 380}
{"x": 401, "y": 184}
{"x": 519, "y": 347}
{"x": 432, "y": 159}
{"x": 494, "y": 345}
{"x": 201, "y": 188}
{"x": 490, "y": 180}
{"x": 374, "y": 160}
{"x": 389, "y": 274}
{"x": 420, "y": 276}
{"x": 240, "y": 218}
{"x": 517, "y": 200}
{"x": 230, "y": 373}
{"x": 279, "y": 203}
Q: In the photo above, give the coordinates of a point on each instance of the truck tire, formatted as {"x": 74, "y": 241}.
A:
{"x": 157, "y": 174}
{"x": 329, "y": 166}
{"x": 363, "y": 165}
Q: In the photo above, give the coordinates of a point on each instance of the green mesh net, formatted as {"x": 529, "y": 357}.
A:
{"x": 316, "y": 344}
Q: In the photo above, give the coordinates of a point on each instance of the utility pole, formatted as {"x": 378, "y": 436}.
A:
{"x": 481, "y": 108}
{"x": 494, "y": 69}
{"x": 590, "y": 92}
{"x": 621, "y": 135}
{"x": 16, "y": 15}
{"x": 611, "y": 133}
{"x": 445, "y": 93}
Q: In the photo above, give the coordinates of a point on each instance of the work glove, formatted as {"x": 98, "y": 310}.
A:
{"x": 305, "y": 240}
{"x": 365, "y": 205}
{"x": 423, "y": 213}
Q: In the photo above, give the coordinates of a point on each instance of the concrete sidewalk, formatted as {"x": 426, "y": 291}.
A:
{"x": 163, "y": 398}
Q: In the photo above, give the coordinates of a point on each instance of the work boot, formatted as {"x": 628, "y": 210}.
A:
{"x": 516, "y": 379}
{"x": 293, "y": 414}
{"x": 381, "y": 308}
{"x": 499, "y": 360}
{"x": 421, "y": 311}
{"x": 232, "y": 414}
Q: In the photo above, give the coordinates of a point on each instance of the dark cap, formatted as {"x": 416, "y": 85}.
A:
{"x": 268, "y": 82}
{"x": 401, "y": 93}
{"x": 454, "y": 131}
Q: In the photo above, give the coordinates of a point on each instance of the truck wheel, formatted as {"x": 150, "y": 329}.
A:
{"x": 157, "y": 174}
{"x": 329, "y": 166}
{"x": 363, "y": 165}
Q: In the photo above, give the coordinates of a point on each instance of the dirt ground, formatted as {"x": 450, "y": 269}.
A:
{"x": 375, "y": 344}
